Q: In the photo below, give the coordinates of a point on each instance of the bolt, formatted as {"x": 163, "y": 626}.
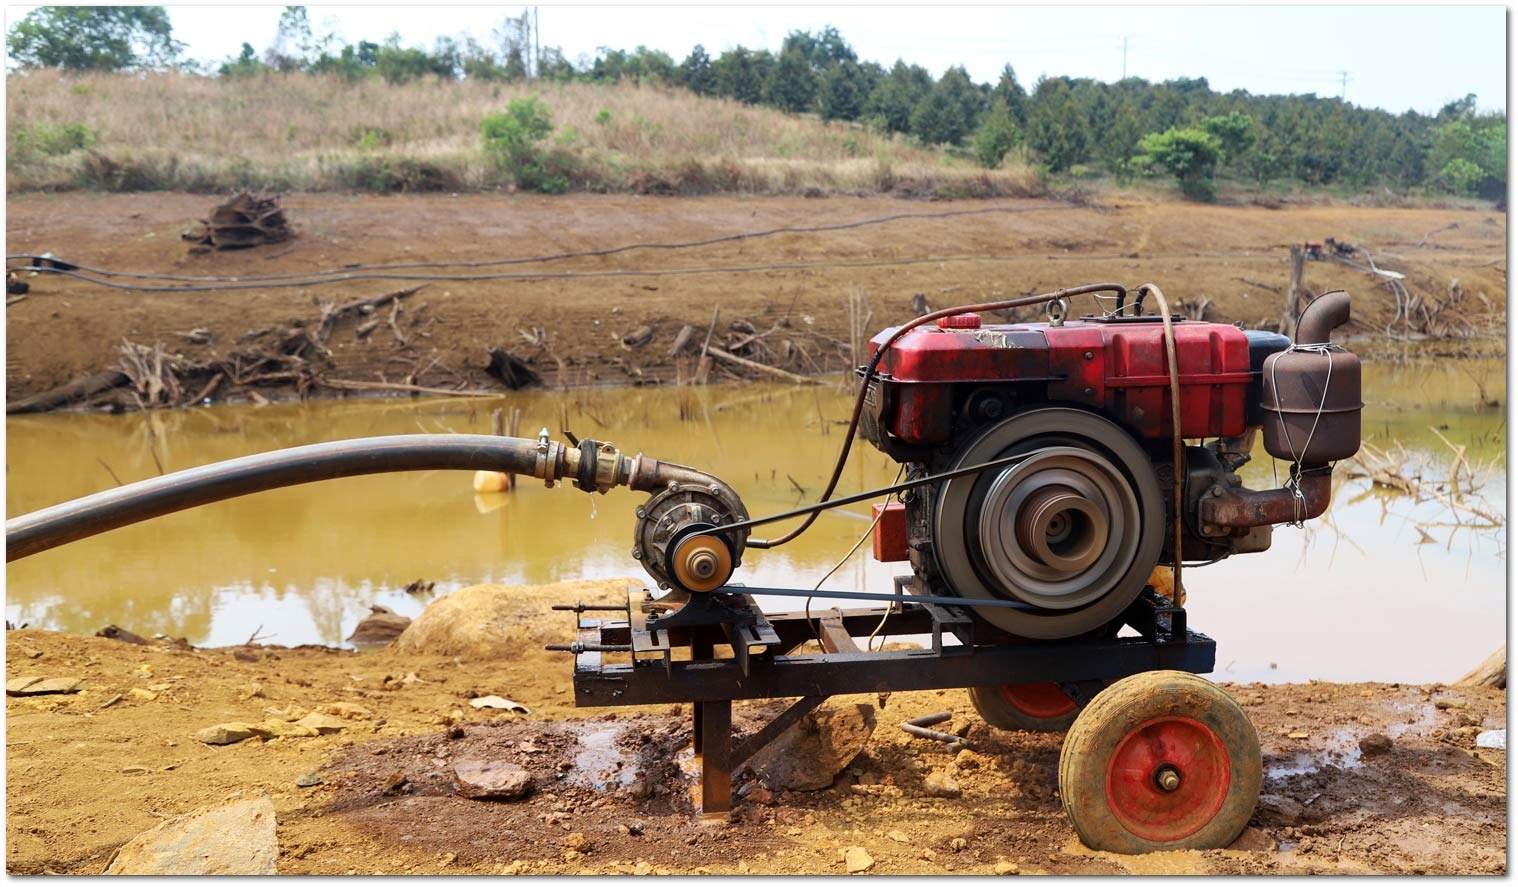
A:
{"x": 1167, "y": 778}
{"x": 642, "y": 512}
{"x": 1209, "y": 530}
{"x": 637, "y": 554}
{"x": 1217, "y": 490}
{"x": 1088, "y": 355}
{"x": 1089, "y": 392}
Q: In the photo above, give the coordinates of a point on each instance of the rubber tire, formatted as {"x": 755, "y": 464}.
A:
{"x": 1099, "y": 731}
{"x": 999, "y": 711}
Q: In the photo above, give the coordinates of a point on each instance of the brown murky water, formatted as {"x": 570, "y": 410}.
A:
{"x": 1381, "y": 589}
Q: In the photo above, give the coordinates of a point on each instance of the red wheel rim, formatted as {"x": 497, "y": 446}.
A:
{"x": 1045, "y": 700}
{"x": 1189, "y": 749}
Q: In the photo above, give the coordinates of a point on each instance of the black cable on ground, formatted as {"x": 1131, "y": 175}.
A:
{"x": 551, "y": 257}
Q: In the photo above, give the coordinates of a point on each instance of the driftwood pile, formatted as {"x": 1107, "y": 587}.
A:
{"x": 292, "y": 355}
{"x": 244, "y": 221}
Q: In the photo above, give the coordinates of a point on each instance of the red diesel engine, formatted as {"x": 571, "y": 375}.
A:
{"x": 1078, "y": 513}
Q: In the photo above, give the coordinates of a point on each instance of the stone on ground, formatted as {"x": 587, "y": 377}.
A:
{"x": 857, "y": 859}
{"x": 816, "y": 749}
{"x": 490, "y": 780}
{"x": 490, "y": 621}
{"x": 235, "y": 839}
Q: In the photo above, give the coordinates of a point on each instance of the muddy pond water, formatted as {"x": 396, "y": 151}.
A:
{"x": 1383, "y": 588}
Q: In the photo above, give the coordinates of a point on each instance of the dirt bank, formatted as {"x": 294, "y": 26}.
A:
{"x": 613, "y": 319}
{"x": 87, "y": 771}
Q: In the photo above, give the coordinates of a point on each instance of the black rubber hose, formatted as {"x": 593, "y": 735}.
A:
{"x": 97, "y": 513}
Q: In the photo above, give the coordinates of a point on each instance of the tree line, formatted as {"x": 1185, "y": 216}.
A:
{"x": 1128, "y": 128}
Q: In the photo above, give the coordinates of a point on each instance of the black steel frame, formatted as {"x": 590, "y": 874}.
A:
{"x": 673, "y": 659}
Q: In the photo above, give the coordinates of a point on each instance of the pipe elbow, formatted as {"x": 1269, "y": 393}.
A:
{"x": 1322, "y": 316}
{"x": 1257, "y": 508}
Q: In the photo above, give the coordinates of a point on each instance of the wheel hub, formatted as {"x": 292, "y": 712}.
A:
{"x": 1168, "y": 778}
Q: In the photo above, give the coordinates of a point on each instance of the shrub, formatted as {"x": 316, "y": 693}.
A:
{"x": 513, "y": 141}
{"x": 50, "y": 140}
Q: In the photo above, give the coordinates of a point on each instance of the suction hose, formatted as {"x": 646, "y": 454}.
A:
{"x": 589, "y": 465}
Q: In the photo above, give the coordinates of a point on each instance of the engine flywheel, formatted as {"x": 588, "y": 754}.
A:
{"x": 1073, "y": 530}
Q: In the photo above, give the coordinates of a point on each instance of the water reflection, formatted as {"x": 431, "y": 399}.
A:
{"x": 1347, "y": 597}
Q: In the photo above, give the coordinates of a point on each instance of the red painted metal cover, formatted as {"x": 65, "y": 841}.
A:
{"x": 890, "y": 531}
{"x": 1118, "y": 367}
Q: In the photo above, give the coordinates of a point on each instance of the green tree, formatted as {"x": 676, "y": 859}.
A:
{"x": 1011, "y": 93}
{"x": 292, "y": 40}
{"x": 696, "y": 72}
{"x": 996, "y": 135}
{"x": 245, "y": 65}
{"x": 1468, "y": 151}
{"x": 739, "y": 74}
{"x": 792, "y": 85}
{"x": 843, "y": 92}
{"x": 94, "y": 38}
{"x": 1191, "y": 155}
{"x": 1056, "y": 127}
{"x": 896, "y": 96}
{"x": 1234, "y": 132}
{"x": 946, "y": 114}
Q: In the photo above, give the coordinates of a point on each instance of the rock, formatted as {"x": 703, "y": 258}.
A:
{"x": 1298, "y": 734}
{"x": 307, "y": 780}
{"x": 142, "y": 695}
{"x": 576, "y": 841}
{"x": 501, "y": 703}
{"x": 899, "y": 837}
{"x": 1492, "y": 739}
{"x": 117, "y": 633}
{"x": 815, "y": 750}
{"x": 347, "y": 710}
{"x": 856, "y": 859}
{"x": 41, "y": 686}
{"x": 322, "y": 724}
{"x": 285, "y": 728}
{"x": 1006, "y": 868}
{"x": 394, "y": 783}
{"x": 940, "y": 785}
{"x": 1252, "y": 840}
{"x": 1279, "y": 810}
{"x": 642, "y": 868}
{"x": 490, "y": 780}
{"x": 959, "y": 845}
{"x": 485, "y": 622}
{"x": 760, "y": 795}
{"x": 1449, "y": 702}
{"x": 381, "y": 626}
{"x": 235, "y": 839}
{"x": 228, "y": 733}
{"x": 1375, "y": 744}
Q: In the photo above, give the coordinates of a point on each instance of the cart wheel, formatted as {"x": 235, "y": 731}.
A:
{"x": 1163, "y": 760}
{"x": 1037, "y": 708}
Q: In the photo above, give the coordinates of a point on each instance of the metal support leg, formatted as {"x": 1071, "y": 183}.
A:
{"x": 714, "y": 747}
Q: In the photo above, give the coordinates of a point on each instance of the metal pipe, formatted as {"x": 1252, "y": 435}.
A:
{"x": 1321, "y": 316}
{"x": 1258, "y": 508}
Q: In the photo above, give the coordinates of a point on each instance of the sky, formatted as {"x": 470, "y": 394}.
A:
{"x": 1386, "y": 56}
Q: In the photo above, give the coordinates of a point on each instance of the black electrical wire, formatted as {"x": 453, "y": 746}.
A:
{"x": 880, "y": 352}
{"x": 551, "y": 257}
{"x": 547, "y": 275}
